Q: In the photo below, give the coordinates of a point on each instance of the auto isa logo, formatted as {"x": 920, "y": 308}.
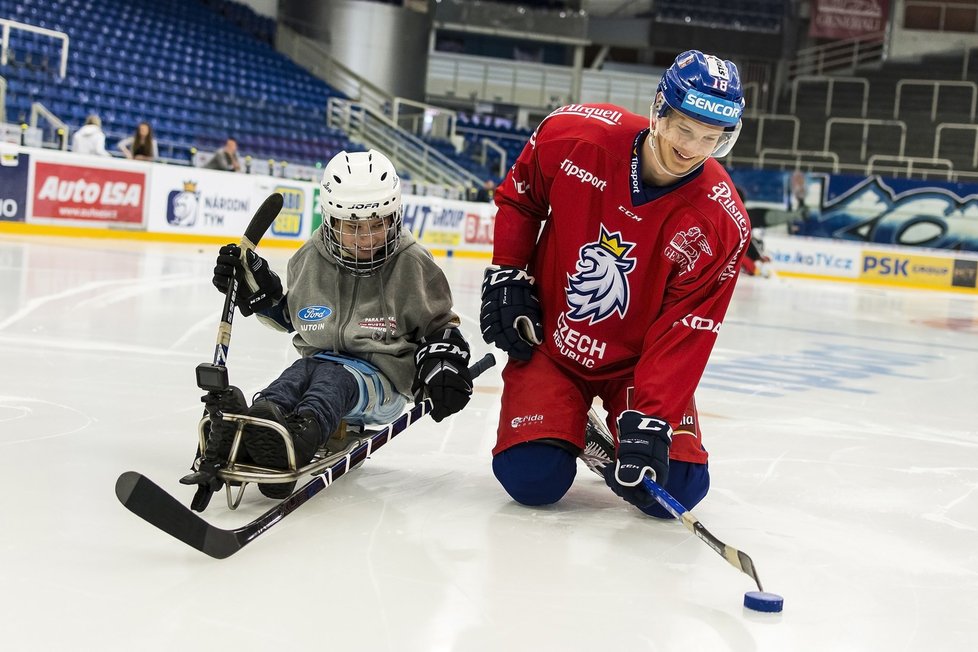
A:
{"x": 182, "y": 205}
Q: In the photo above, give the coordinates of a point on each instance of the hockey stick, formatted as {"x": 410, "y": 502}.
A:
{"x": 263, "y": 219}
{"x": 213, "y": 377}
{"x": 151, "y": 503}
{"x": 739, "y": 560}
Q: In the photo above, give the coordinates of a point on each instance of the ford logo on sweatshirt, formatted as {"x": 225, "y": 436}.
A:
{"x": 315, "y": 313}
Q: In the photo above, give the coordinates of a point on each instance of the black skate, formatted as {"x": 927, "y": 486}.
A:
{"x": 267, "y": 447}
{"x": 599, "y": 445}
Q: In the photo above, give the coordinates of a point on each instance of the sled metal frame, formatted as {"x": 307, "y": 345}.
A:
{"x": 239, "y": 475}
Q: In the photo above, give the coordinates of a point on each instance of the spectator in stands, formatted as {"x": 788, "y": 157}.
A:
{"x": 141, "y": 145}
{"x": 487, "y": 190}
{"x": 799, "y": 190}
{"x": 225, "y": 158}
{"x": 90, "y": 139}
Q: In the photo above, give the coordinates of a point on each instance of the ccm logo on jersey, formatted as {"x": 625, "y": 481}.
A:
{"x": 629, "y": 213}
{"x": 571, "y": 169}
{"x": 700, "y": 323}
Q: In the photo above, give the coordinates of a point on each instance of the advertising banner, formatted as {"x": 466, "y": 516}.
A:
{"x": 813, "y": 256}
{"x": 449, "y": 224}
{"x": 93, "y": 194}
{"x": 965, "y": 274}
{"x": 13, "y": 187}
{"x": 844, "y": 19}
{"x": 193, "y": 201}
{"x": 865, "y": 209}
{"x": 899, "y": 268}
{"x": 440, "y": 224}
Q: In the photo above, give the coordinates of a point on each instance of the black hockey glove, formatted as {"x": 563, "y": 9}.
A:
{"x": 643, "y": 449}
{"x": 510, "y": 316}
{"x": 442, "y": 372}
{"x": 259, "y": 288}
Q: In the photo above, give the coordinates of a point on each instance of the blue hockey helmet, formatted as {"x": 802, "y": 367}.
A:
{"x": 704, "y": 88}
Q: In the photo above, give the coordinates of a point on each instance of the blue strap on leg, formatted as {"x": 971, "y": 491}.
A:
{"x": 379, "y": 402}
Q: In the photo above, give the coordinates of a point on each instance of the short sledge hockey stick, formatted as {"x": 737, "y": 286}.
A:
{"x": 145, "y": 499}
{"x": 213, "y": 377}
{"x": 259, "y": 224}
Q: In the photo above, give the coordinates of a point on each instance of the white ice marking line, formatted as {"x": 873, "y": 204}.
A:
{"x": 126, "y": 288}
{"x": 200, "y": 326}
{"x": 770, "y": 468}
{"x": 89, "y": 346}
{"x": 24, "y": 399}
{"x": 138, "y": 286}
{"x": 34, "y": 304}
{"x": 940, "y": 516}
{"x": 943, "y": 520}
{"x": 18, "y": 412}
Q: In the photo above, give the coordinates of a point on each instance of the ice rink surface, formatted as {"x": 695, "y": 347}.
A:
{"x": 841, "y": 422}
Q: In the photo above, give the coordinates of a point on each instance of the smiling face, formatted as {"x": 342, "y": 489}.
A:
{"x": 677, "y": 146}
{"x": 362, "y": 239}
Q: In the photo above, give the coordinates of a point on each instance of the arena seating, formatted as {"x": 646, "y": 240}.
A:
{"x": 895, "y": 114}
{"x": 198, "y": 71}
{"x": 746, "y": 15}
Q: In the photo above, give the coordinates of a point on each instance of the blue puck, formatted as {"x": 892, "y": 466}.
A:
{"x": 763, "y": 601}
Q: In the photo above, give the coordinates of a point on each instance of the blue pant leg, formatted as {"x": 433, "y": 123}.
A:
{"x": 535, "y": 473}
{"x": 688, "y": 483}
{"x": 286, "y": 391}
{"x": 331, "y": 393}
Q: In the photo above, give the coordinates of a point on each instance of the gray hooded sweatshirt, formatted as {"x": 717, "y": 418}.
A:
{"x": 379, "y": 318}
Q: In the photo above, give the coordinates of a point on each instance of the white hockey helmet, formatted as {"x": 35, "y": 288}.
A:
{"x": 361, "y": 205}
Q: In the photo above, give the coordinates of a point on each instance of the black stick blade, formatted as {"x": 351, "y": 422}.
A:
{"x": 263, "y": 219}
{"x": 145, "y": 499}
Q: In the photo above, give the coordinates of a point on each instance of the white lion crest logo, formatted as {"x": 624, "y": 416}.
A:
{"x": 600, "y": 285}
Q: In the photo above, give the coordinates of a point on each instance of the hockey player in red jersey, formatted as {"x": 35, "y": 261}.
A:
{"x": 621, "y": 294}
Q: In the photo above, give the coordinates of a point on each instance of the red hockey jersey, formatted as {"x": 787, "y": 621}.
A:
{"x": 628, "y": 276}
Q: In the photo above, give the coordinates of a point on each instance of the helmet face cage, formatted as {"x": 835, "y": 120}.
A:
{"x": 361, "y": 207}
{"x": 706, "y": 89}
{"x": 362, "y": 245}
